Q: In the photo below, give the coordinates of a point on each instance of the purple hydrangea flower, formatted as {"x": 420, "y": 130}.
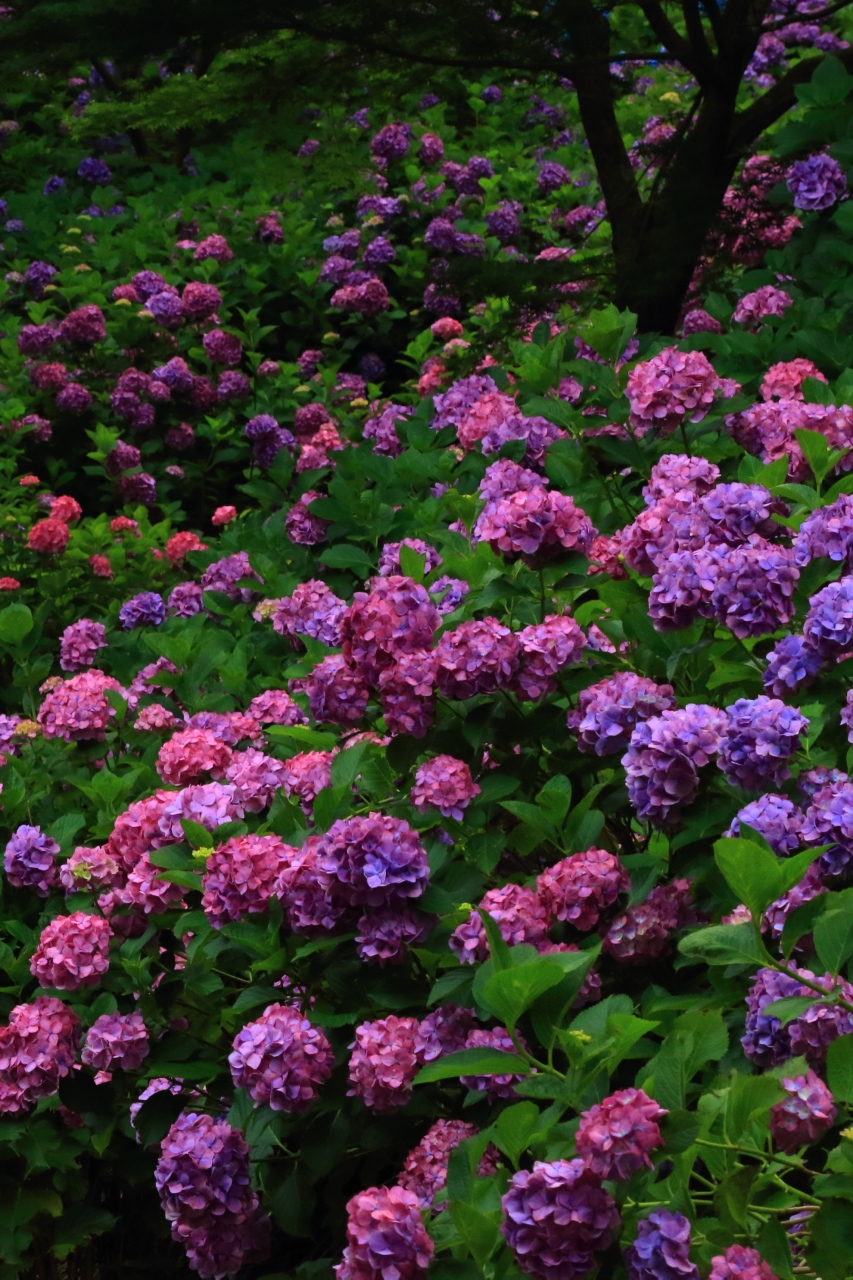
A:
{"x": 609, "y": 711}
{"x": 477, "y": 657}
{"x": 665, "y": 755}
{"x": 224, "y": 575}
{"x": 791, "y": 663}
{"x": 116, "y": 1040}
{"x": 661, "y": 1250}
{"x": 280, "y": 1059}
{"x": 373, "y": 860}
{"x": 146, "y": 609}
{"x": 556, "y": 1217}
{"x": 384, "y": 937}
{"x": 816, "y": 183}
{"x": 776, "y": 818}
{"x": 827, "y": 532}
{"x": 767, "y": 1043}
{"x": 805, "y": 1115}
{"x": 30, "y": 860}
{"x": 829, "y": 622}
{"x": 759, "y": 737}
{"x": 386, "y": 1238}
{"x": 94, "y": 170}
{"x": 644, "y": 932}
{"x": 80, "y": 643}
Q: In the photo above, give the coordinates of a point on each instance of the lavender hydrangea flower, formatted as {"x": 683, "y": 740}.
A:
{"x": 829, "y": 820}
{"x": 386, "y": 1238}
{"x": 759, "y": 737}
{"x": 661, "y": 1249}
{"x": 546, "y": 648}
{"x": 829, "y": 622}
{"x": 816, "y": 183}
{"x": 147, "y": 609}
{"x": 30, "y": 860}
{"x": 665, "y": 755}
{"x": 80, "y": 643}
{"x": 116, "y": 1040}
{"x": 792, "y": 663}
{"x": 828, "y": 531}
{"x": 768, "y": 1043}
{"x": 776, "y": 818}
{"x": 609, "y": 711}
{"x": 374, "y": 860}
{"x": 676, "y": 472}
{"x": 556, "y": 1217}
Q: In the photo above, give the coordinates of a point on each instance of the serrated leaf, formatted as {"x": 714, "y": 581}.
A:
{"x": 724, "y": 944}
{"x": 473, "y": 1062}
{"x": 511, "y": 992}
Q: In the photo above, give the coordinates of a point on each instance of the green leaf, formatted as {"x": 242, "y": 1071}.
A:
{"x": 16, "y": 621}
{"x": 330, "y": 804}
{"x": 817, "y": 452}
{"x": 479, "y": 1232}
{"x": 514, "y": 1129}
{"x": 312, "y": 739}
{"x": 801, "y": 922}
{"x": 499, "y": 951}
{"x": 755, "y": 874}
{"x": 198, "y": 837}
{"x": 412, "y": 563}
{"x": 345, "y": 556}
{"x": 749, "y": 1096}
{"x": 724, "y": 944}
{"x": 830, "y": 1234}
{"x": 554, "y": 799}
{"x": 773, "y": 1245}
{"x": 839, "y": 1068}
{"x": 833, "y": 932}
{"x": 788, "y": 1009}
{"x": 347, "y": 764}
{"x": 473, "y": 1062}
{"x": 511, "y": 992}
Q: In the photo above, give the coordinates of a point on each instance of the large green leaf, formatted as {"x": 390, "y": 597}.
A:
{"x": 511, "y": 992}
{"x": 472, "y": 1062}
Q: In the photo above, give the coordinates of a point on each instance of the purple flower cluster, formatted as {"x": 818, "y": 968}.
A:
{"x": 791, "y": 663}
{"x": 816, "y": 183}
{"x": 581, "y": 887}
{"x": 609, "y": 711}
{"x": 661, "y": 1249}
{"x": 384, "y": 936}
{"x": 206, "y": 1193}
{"x": 739, "y": 1262}
{"x": 768, "y": 1043}
{"x": 445, "y": 783}
{"x": 146, "y": 609}
{"x": 425, "y": 1170}
{"x": 373, "y": 860}
{"x": 30, "y": 860}
{"x": 386, "y": 1239}
{"x": 477, "y": 657}
{"x": 280, "y": 1059}
{"x": 776, "y": 818}
{"x": 665, "y": 755}
{"x": 805, "y": 1114}
{"x": 556, "y": 1217}
{"x": 644, "y": 932}
{"x": 545, "y": 649}
{"x": 116, "y": 1040}
{"x": 519, "y": 914}
{"x": 759, "y": 737}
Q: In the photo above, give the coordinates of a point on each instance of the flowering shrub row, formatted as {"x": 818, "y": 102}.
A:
{"x": 429, "y": 832}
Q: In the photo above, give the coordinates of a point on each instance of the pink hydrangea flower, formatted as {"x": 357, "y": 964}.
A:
{"x": 445, "y": 783}
{"x": 579, "y": 888}
{"x": 336, "y": 690}
{"x": 274, "y": 706}
{"x": 256, "y": 778}
{"x": 73, "y": 951}
{"x": 407, "y": 692}
{"x": 384, "y": 1062}
{"x": 644, "y": 931}
{"x": 615, "y": 1136}
{"x": 87, "y": 868}
{"x": 306, "y": 774}
{"x": 312, "y": 610}
{"x": 671, "y": 388}
{"x": 37, "y": 1049}
{"x": 280, "y": 1059}
{"x": 784, "y": 381}
{"x": 242, "y": 875}
{"x": 384, "y": 936}
{"x": 546, "y": 648}
{"x": 116, "y": 1040}
{"x": 805, "y": 1114}
{"x": 763, "y": 302}
{"x": 739, "y": 1262}
{"x": 386, "y": 1239}
{"x": 476, "y": 657}
{"x": 209, "y": 803}
{"x": 77, "y": 709}
{"x": 190, "y": 754}
{"x": 145, "y": 889}
{"x": 519, "y": 914}
{"x": 424, "y": 1172}
{"x": 395, "y": 617}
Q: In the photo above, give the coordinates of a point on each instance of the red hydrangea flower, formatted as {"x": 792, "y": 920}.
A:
{"x": 49, "y": 536}
{"x": 280, "y": 1059}
{"x": 805, "y": 1115}
{"x": 615, "y": 1136}
{"x": 384, "y": 1062}
{"x": 73, "y": 951}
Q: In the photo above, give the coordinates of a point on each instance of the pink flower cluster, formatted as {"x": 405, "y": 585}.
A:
{"x": 37, "y": 1049}
{"x": 73, "y": 951}
{"x": 280, "y": 1059}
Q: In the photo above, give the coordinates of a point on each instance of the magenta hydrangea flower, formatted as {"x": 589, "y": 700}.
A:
{"x": 80, "y": 643}
{"x": 190, "y": 754}
{"x": 336, "y": 690}
{"x": 644, "y": 932}
{"x": 424, "y": 1172}
{"x": 609, "y": 711}
{"x": 373, "y": 860}
{"x": 312, "y": 610}
{"x": 763, "y": 302}
{"x": 759, "y": 737}
{"x": 556, "y": 1217}
{"x": 545, "y": 649}
{"x": 395, "y": 617}
{"x": 671, "y": 388}
{"x": 776, "y": 818}
{"x": 281, "y": 1060}
{"x": 531, "y": 521}
{"x": 241, "y": 876}
{"x": 37, "y": 1049}
{"x": 739, "y": 1262}
{"x": 661, "y": 1249}
{"x": 665, "y": 755}
{"x": 494, "y": 1086}
{"x": 445, "y": 783}
{"x": 382, "y": 430}
{"x": 30, "y": 860}
{"x": 205, "y": 1188}
{"x": 72, "y": 951}
{"x": 615, "y": 1136}
{"x": 406, "y": 692}
{"x": 386, "y": 1239}
{"x": 444, "y": 1031}
{"x": 87, "y": 868}
{"x": 579, "y": 888}
{"x": 805, "y": 1115}
{"x": 517, "y": 911}
{"x": 384, "y": 937}
{"x": 476, "y": 657}
{"x": 145, "y": 889}
{"x": 301, "y": 525}
{"x": 384, "y": 1062}
{"x": 208, "y": 803}
{"x": 767, "y": 1043}
{"x": 116, "y": 1040}
{"x": 256, "y": 777}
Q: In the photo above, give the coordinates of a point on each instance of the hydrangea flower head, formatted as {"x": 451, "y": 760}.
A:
{"x": 661, "y": 1249}
{"x": 517, "y": 911}
{"x": 579, "y": 888}
{"x": 116, "y": 1040}
{"x": 804, "y": 1115}
{"x": 739, "y": 1262}
{"x": 556, "y": 1217}
{"x": 445, "y": 783}
{"x": 383, "y": 1063}
{"x": 73, "y": 951}
{"x": 242, "y": 875}
{"x": 609, "y": 711}
{"x": 30, "y": 860}
{"x": 386, "y": 1239}
{"x": 665, "y": 755}
{"x": 374, "y": 860}
{"x": 760, "y": 735}
{"x": 615, "y": 1136}
{"x": 280, "y": 1059}
{"x": 644, "y": 931}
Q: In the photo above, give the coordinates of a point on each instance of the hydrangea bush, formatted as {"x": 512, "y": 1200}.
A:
{"x": 429, "y": 835}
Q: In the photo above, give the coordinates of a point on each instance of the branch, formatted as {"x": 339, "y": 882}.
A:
{"x": 671, "y": 40}
{"x": 752, "y": 122}
{"x": 818, "y": 16}
{"x": 696, "y": 34}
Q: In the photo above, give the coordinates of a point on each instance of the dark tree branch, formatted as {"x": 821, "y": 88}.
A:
{"x": 672, "y": 41}
{"x": 696, "y": 35}
{"x": 820, "y": 15}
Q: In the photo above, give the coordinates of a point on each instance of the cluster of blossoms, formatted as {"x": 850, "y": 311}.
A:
{"x": 280, "y": 1059}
